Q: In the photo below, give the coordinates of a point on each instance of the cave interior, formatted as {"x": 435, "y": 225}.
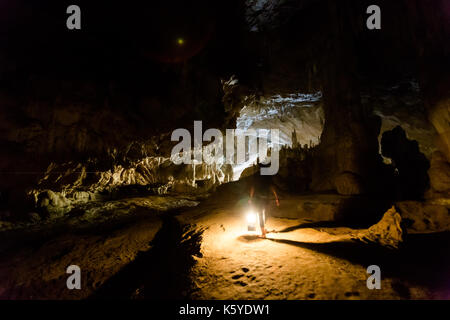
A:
{"x": 87, "y": 178}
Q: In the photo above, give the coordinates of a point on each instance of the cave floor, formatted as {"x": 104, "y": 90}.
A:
{"x": 206, "y": 253}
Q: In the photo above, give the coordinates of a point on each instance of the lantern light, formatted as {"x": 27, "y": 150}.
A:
{"x": 252, "y": 219}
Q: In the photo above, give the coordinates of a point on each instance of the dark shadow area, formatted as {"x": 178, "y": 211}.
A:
{"x": 423, "y": 259}
{"x": 318, "y": 224}
{"x": 163, "y": 272}
{"x": 36, "y": 236}
{"x": 250, "y": 238}
{"x": 411, "y": 166}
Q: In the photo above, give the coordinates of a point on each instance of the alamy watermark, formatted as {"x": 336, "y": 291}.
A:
{"x": 74, "y": 280}
{"x": 74, "y": 20}
{"x": 374, "y": 20}
{"x": 374, "y": 280}
{"x": 240, "y": 146}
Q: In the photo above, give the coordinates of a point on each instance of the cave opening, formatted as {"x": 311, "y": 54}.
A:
{"x": 299, "y": 117}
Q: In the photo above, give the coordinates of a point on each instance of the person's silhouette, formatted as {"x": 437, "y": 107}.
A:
{"x": 261, "y": 190}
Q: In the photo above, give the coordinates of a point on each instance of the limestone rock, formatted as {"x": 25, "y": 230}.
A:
{"x": 387, "y": 232}
{"x": 53, "y": 204}
{"x": 425, "y": 217}
{"x": 74, "y": 183}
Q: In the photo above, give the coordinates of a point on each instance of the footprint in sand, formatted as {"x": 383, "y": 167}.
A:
{"x": 237, "y": 276}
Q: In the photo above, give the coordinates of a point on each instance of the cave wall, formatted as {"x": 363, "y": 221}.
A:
{"x": 348, "y": 150}
{"x": 332, "y": 50}
{"x": 109, "y": 96}
{"x": 431, "y": 33}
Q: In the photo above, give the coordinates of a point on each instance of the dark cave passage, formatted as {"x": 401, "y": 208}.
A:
{"x": 412, "y": 165}
{"x": 162, "y": 272}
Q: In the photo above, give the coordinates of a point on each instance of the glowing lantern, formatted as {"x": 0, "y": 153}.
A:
{"x": 252, "y": 219}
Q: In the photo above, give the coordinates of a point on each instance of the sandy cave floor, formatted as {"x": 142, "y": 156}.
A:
{"x": 206, "y": 253}
{"x": 300, "y": 262}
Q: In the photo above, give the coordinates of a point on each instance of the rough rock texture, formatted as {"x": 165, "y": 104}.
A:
{"x": 72, "y": 184}
{"x": 434, "y": 69}
{"x": 93, "y": 213}
{"x": 425, "y": 217}
{"x": 348, "y": 142}
{"x": 402, "y": 104}
{"x": 296, "y": 114}
{"x": 387, "y": 232}
{"x": 53, "y": 204}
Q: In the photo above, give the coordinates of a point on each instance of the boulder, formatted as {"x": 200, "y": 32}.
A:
{"x": 425, "y": 217}
{"x": 387, "y": 232}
